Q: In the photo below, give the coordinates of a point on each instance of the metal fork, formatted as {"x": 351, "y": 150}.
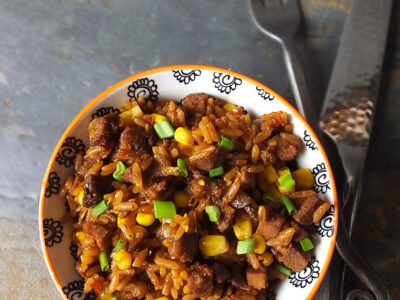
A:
{"x": 280, "y": 20}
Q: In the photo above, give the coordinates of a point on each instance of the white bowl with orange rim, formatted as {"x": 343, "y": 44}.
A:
{"x": 175, "y": 82}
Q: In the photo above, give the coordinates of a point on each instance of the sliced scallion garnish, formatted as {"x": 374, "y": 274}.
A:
{"x": 226, "y": 143}
{"x": 289, "y": 205}
{"x": 103, "y": 261}
{"x": 164, "y": 209}
{"x": 119, "y": 171}
{"x": 213, "y": 213}
{"x": 306, "y": 244}
{"x": 216, "y": 172}
{"x": 164, "y": 129}
{"x": 182, "y": 168}
{"x": 100, "y": 207}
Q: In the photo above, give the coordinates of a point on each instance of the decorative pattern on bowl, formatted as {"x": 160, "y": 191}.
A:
{"x": 175, "y": 82}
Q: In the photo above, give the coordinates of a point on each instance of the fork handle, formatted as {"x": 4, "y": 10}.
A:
{"x": 357, "y": 264}
{"x": 298, "y": 82}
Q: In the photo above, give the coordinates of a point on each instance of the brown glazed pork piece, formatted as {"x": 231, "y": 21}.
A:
{"x": 103, "y": 131}
{"x": 200, "y": 280}
{"x": 257, "y": 278}
{"x": 288, "y": 145}
{"x": 214, "y": 160}
{"x": 184, "y": 249}
{"x": 195, "y": 103}
{"x": 133, "y": 145}
{"x": 100, "y": 233}
{"x": 308, "y": 206}
{"x": 294, "y": 258}
{"x": 271, "y": 226}
{"x": 95, "y": 187}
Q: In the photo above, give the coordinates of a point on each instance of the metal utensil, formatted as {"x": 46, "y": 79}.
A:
{"x": 348, "y": 111}
{"x": 280, "y": 20}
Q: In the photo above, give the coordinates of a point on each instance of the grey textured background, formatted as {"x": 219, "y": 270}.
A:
{"x": 57, "y": 55}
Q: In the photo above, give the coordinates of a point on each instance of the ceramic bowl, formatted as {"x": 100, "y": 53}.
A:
{"x": 174, "y": 82}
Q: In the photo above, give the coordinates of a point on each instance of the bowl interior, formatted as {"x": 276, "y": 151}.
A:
{"x": 174, "y": 83}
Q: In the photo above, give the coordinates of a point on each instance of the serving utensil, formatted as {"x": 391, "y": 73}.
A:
{"x": 280, "y": 20}
{"x": 348, "y": 113}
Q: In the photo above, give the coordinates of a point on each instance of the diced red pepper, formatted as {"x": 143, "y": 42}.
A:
{"x": 97, "y": 285}
{"x": 238, "y": 110}
{"x": 149, "y": 119}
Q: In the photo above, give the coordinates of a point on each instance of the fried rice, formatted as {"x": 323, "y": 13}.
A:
{"x": 190, "y": 200}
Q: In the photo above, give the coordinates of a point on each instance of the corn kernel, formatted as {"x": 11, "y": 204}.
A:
{"x": 229, "y": 106}
{"x": 270, "y": 174}
{"x": 266, "y": 258}
{"x": 186, "y": 290}
{"x": 145, "y": 219}
{"x": 80, "y": 236}
{"x": 259, "y": 246}
{"x": 158, "y": 117}
{"x": 261, "y": 182}
{"x": 84, "y": 267}
{"x": 184, "y": 136}
{"x": 81, "y": 196}
{"x": 120, "y": 221}
{"x": 212, "y": 245}
{"x": 123, "y": 259}
{"x": 78, "y": 189}
{"x": 125, "y": 118}
{"x": 181, "y": 199}
{"x": 201, "y": 182}
{"x": 104, "y": 296}
{"x": 276, "y": 194}
{"x": 136, "y": 111}
{"x": 129, "y": 221}
{"x": 242, "y": 227}
{"x": 304, "y": 179}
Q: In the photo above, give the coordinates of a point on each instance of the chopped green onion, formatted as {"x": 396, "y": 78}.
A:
{"x": 164, "y": 129}
{"x": 103, "y": 261}
{"x": 245, "y": 246}
{"x": 213, "y": 213}
{"x": 164, "y": 209}
{"x": 216, "y": 172}
{"x": 101, "y": 207}
{"x": 182, "y": 168}
{"x": 267, "y": 197}
{"x": 283, "y": 269}
{"x": 286, "y": 181}
{"x": 120, "y": 244}
{"x": 306, "y": 244}
{"x": 114, "y": 298}
{"x": 226, "y": 143}
{"x": 289, "y": 205}
{"x": 119, "y": 171}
